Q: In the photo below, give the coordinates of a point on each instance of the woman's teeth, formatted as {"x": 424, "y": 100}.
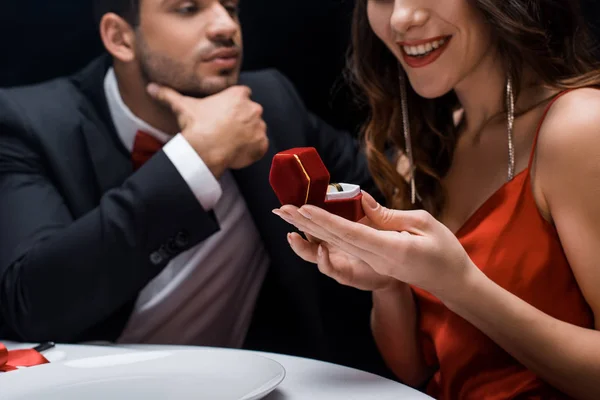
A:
{"x": 423, "y": 49}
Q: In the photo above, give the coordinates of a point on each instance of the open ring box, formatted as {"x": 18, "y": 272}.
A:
{"x": 298, "y": 177}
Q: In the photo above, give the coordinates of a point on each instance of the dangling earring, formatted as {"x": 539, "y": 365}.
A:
{"x": 407, "y": 138}
{"x": 510, "y": 111}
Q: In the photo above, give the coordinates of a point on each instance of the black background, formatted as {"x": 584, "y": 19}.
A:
{"x": 305, "y": 39}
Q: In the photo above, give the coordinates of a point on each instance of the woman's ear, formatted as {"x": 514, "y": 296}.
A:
{"x": 118, "y": 37}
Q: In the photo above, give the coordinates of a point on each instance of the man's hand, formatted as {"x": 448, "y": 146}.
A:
{"x": 226, "y": 129}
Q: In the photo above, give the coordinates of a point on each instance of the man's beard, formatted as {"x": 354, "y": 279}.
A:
{"x": 165, "y": 71}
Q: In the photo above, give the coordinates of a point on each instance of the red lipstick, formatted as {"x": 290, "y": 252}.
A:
{"x": 420, "y": 61}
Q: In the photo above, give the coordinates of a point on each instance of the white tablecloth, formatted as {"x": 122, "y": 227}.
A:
{"x": 305, "y": 379}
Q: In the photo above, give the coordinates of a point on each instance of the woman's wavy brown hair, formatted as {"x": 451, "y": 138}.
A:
{"x": 548, "y": 36}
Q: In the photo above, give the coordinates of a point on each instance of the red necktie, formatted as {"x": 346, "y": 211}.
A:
{"x": 144, "y": 147}
{"x": 10, "y": 360}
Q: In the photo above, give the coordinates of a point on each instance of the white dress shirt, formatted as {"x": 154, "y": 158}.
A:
{"x": 206, "y": 295}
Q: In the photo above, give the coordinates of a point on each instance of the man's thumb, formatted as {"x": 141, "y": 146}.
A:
{"x": 166, "y": 96}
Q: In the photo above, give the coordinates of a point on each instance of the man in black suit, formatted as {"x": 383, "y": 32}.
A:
{"x": 103, "y": 237}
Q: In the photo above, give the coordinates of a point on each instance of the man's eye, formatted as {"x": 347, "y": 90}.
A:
{"x": 233, "y": 10}
{"x": 187, "y": 9}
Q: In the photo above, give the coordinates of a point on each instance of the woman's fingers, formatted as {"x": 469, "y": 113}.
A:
{"x": 290, "y": 214}
{"x": 318, "y": 254}
{"x": 304, "y": 249}
{"x": 415, "y": 222}
{"x": 312, "y": 239}
{"x": 357, "y": 239}
{"x": 324, "y": 263}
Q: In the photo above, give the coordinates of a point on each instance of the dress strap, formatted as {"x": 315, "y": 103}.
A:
{"x": 537, "y": 132}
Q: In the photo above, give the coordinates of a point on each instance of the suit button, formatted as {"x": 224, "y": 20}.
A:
{"x": 182, "y": 239}
{"x": 171, "y": 247}
{"x": 156, "y": 258}
{"x": 164, "y": 253}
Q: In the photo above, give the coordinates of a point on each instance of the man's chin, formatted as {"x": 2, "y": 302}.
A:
{"x": 214, "y": 84}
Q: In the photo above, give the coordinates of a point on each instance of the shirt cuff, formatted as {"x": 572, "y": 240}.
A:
{"x": 194, "y": 171}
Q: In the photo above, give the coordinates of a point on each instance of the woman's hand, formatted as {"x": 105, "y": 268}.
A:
{"x": 394, "y": 315}
{"x": 338, "y": 264}
{"x": 409, "y": 246}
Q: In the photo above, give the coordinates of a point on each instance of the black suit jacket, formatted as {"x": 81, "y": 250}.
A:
{"x": 81, "y": 234}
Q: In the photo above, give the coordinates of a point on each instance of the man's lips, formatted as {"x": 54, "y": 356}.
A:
{"x": 225, "y": 58}
{"x": 229, "y": 53}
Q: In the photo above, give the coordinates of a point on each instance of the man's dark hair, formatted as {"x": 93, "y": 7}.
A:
{"x": 129, "y": 10}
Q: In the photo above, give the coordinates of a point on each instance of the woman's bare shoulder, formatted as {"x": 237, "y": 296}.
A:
{"x": 568, "y": 151}
{"x": 573, "y": 122}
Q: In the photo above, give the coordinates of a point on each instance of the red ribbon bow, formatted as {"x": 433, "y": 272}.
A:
{"x": 10, "y": 360}
{"x": 144, "y": 147}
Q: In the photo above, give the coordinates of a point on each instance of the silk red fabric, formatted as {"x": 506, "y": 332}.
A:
{"x": 511, "y": 242}
{"x": 10, "y": 360}
{"x": 144, "y": 147}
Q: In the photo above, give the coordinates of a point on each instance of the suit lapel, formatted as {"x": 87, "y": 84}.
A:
{"x": 110, "y": 160}
{"x": 111, "y": 165}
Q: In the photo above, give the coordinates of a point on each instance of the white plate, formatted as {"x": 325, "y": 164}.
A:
{"x": 156, "y": 375}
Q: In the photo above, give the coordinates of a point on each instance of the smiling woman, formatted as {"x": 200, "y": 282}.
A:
{"x": 420, "y": 53}
{"x": 507, "y": 37}
{"x": 489, "y": 289}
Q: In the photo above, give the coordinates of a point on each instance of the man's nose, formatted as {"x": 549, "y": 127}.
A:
{"x": 223, "y": 26}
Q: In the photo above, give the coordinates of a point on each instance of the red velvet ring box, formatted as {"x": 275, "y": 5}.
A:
{"x": 298, "y": 177}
